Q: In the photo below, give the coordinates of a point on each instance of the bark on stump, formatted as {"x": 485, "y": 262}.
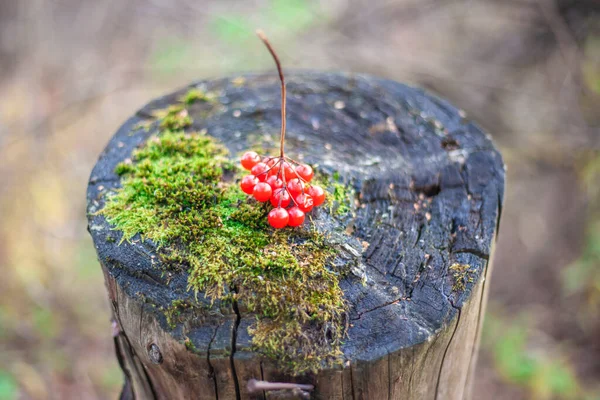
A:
{"x": 430, "y": 189}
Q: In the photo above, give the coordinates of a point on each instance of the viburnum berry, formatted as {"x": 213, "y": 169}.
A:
{"x": 270, "y": 161}
{"x": 305, "y": 172}
{"x": 250, "y": 159}
{"x": 318, "y": 195}
{"x": 304, "y": 202}
{"x": 288, "y": 171}
{"x": 262, "y": 191}
{"x": 295, "y": 187}
{"x": 296, "y": 216}
{"x": 278, "y": 218}
{"x": 259, "y": 171}
{"x": 280, "y": 194}
{"x": 274, "y": 182}
{"x": 247, "y": 184}
{"x": 274, "y": 171}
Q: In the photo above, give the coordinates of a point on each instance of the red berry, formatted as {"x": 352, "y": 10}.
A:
{"x": 259, "y": 171}
{"x": 288, "y": 171}
{"x": 317, "y": 194}
{"x": 305, "y": 172}
{"x": 296, "y": 216}
{"x": 278, "y": 218}
{"x": 274, "y": 182}
{"x": 274, "y": 170}
{"x": 262, "y": 191}
{"x": 269, "y": 161}
{"x": 285, "y": 198}
{"x": 295, "y": 186}
{"x": 304, "y": 202}
{"x": 250, "y": 159}
{"x": 247, "y": 184}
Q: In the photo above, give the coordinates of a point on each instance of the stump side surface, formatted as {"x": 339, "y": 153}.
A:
{"x": 429, "y": 187}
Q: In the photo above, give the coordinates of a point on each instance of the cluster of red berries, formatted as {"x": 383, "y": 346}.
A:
{"x": 283, "y": 182}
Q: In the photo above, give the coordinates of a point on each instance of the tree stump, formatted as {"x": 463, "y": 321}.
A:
{"x": 429, "y": 189}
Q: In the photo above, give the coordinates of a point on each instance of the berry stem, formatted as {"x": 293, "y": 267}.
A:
{"x": 263, "y": 37}
{"x": 286, "y": 170}
{"x": 270, "y": 168}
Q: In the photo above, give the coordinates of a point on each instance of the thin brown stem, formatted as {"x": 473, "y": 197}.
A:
{"x": 270, "y": 168}
{"x": 291, "y": 160}
{"x": 263, "y": 37}
{"x": 301, "y": 178}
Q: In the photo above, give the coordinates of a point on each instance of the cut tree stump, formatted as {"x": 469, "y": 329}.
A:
{"x": 429, "y": 187}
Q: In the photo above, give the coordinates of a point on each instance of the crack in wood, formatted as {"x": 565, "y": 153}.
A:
{"x": 389, "y": 303}
{"x": 262, "y": 378}
{"x": 475, "y": 252}
{"x": 141, "y": 374}
{"x": 479, "y": 326}
{"x": 211, "y": 369}
{"x": 389, "y": 375}
{"x": 439, "y": 377}
{"x": 481, "y": 311}
{"x": 234, "y": 348}
{"x": 352, "y": 381}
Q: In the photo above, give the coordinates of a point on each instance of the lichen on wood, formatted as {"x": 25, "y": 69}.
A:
{"x": 179, "y": 190}
{"x": 462, "y": 275}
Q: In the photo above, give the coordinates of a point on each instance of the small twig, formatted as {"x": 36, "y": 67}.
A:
{"x": 257, "y": 386}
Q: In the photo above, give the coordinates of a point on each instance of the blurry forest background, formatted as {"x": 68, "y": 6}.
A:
{"x": 527, "y": 70}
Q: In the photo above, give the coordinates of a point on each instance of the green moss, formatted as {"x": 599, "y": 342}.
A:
{"x": 190, "y": 345}
{"x": 173, "y": 118}
{"x": 342, "y": 199}
{"x": 195, "y": 95}
{"x": 124, "y": 168}
{"x": 179, "y": 191}
{"x": 173, "y": 313}
{"x": 462, "y": 275}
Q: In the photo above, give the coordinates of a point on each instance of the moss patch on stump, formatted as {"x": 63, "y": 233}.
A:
{"x": 180, "y": 190}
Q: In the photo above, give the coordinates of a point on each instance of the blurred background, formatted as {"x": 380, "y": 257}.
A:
{"x": 527, "y": 70}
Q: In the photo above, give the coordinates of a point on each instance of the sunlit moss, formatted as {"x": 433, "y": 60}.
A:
{"x": 342, "y": 198}
{"x": 194, "y": 95}
{"x": 173, "y": 313}
{"x": 190, "y": 345}
{"x": 174, "y": 117}
{"x": 179, "y": 191}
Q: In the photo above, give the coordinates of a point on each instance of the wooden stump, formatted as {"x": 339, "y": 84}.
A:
{"x": 429, "y": 187}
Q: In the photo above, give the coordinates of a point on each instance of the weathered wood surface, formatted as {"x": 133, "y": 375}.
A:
{"x": 430, "y": 187}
